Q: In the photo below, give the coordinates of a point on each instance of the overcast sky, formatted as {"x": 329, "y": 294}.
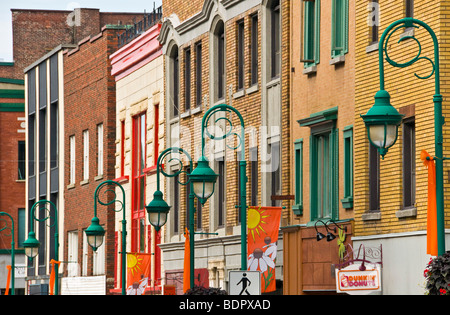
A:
{"x": 103, "y": 5}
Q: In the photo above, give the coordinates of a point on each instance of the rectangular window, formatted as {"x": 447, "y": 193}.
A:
{"x": 324, "y": 174}
{"x": 311, "y": 32}
{"x": 347, "y": 202}
{"x": 409, "y": 8}
{"x": 374, "y": 179}
{"x": 409, "y": 163}
{"x": 85, "y": 154}
{"x": 72, "y": 160}
{"x": 21, "y": 160}
{"x": 276, "y": 173}
{"x": 322, "y": 171}
{"x": 21, "y": 223}
{"x": 100, "y": 149}
{"x": 298, "y": 160}
{"x": 275, "y": 42}
{"x": 53, "y": 135}
{"x": 43, "y": 140}
{"x": 374, "y": 18}
{"x": 198, "y": 73}
{"x": 175, "y": 83}
{"x": 176, "y": 204}
{"x": 254, "y": 175}
{"x": 254, "y": 50}
{"x": 221, "y": 64}
{"x": 32, "y": 145}
{"x": 138, "y": 181}
{"x": 221, "y": 193}
{"x": 339, "y": 30}
{"x": 156, "y": 134}
{"x": 122, "y": 148}
{"x": 187, "y": 79}
{"x": 240, "y": 54}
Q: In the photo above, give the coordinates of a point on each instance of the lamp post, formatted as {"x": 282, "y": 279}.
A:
{"x": 382, "y": 120}
{"x": 13, "y": 254}
{"x": 158, "y": 209}
{"x": 204, "y": 177}
{"x": 95, "y": 232}
{"x": 32, "y": 245}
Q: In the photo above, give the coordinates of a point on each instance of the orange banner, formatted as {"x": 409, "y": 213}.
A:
{"x": 432, "y": 245}
{"x": 8, "y": 280}
{"x": 187, "y": 262}
{"x": 263, "y": 224}
{"x": 138, "y": 266}
{"x": 52, "y": 276}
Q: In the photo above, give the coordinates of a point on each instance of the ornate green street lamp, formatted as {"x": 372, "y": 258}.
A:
{"x": 204, "y": 180}
{"x": 13, "y": 254}
{"x": 158, "y": 209}
{"x": 95, "y": 233}
{"x": 382, "y": 120}
{"x": 204, "y": 177}
{"x": 32, "y": 245}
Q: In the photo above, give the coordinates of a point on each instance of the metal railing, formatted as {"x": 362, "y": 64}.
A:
{"x": 137, "y": 28}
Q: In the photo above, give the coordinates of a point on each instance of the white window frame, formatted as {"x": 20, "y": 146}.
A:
{"x": 85, "y": 155}
{"x": 72, "y": 159}
{"x": 100, "y": 149}
{"x": 72, "y": 266}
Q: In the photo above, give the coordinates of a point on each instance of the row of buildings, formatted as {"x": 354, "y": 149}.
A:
{"x": 104, "y": 98}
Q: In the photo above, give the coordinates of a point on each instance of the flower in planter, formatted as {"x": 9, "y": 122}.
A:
{"x": 437, "y": 275}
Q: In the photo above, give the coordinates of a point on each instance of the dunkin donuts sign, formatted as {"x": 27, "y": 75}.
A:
{"x": 352, "y": 280}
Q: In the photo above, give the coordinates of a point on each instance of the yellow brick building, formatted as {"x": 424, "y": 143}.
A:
{"x": 236, "y": 53}
{"x": 390, "y": 206}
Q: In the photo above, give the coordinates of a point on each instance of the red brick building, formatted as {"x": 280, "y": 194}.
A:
{"x": 37, "y": 32}
{"x": 12, "y": 175}
{"x": 44, "y": 69}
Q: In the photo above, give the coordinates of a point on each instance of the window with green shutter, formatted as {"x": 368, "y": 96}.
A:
{"x": 347, "y": 201}
{"x": 324, "y": 164}
{"x": 311, "y": 32}
{"x": 339, "y": 28}
{"x": 298, "y": 160}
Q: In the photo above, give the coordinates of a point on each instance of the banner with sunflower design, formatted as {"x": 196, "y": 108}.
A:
{"x": 263, "y": 224}
{"x": 138, "y": 272}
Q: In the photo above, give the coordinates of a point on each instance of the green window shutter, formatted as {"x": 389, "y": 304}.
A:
{"x": 339, "y": 28}
{"x": 298, "y": 149}
{"x": 347, "y": 202}
{"x": 311, "y": 33}
{"x": 317, "y": 33}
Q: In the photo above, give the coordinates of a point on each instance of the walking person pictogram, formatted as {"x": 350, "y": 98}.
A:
{"x": 245, "y": 282}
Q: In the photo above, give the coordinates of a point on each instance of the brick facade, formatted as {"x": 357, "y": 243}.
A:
{"x": 89, "y": 92}
{"x": 36, "y": 32}
{"x": 328, "y": 85}
{"x": 252, "y": 102}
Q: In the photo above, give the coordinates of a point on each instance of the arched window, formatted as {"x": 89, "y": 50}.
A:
{"x": 173, "y": 72}
{"x": 219, "y": 60}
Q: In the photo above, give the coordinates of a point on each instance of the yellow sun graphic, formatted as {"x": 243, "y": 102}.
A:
{"x": 134, "y": 263}
{"x": 254, "y": 221}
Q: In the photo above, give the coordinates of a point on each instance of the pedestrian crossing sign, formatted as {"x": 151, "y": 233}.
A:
{"x": 244, "y": 282}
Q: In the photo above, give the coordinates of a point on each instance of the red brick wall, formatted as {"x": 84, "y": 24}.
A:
{"x": 89, "y": 92}
{"x": 36, "y": 32}
{"x": 12, "y": 192}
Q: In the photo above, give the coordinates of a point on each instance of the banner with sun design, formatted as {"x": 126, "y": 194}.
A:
{"x": 263, "y": 224}
{"x": 138, "y": 266}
